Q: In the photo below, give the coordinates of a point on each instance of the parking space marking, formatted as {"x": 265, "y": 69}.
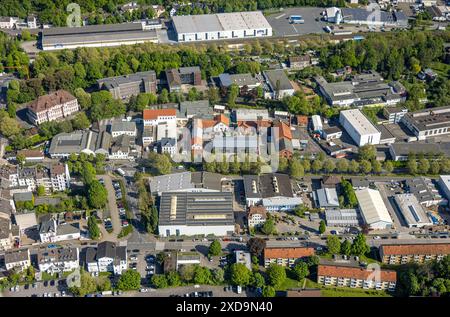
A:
{"x": 280, "y": 16}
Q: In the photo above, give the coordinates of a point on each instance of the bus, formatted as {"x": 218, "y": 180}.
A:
{"x": 121, "y": 171}
{"x": 296, "y": 19}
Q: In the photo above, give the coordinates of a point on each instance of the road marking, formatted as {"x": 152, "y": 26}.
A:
{"x": 294, "y": 28}
{"x": 280, "y": 16}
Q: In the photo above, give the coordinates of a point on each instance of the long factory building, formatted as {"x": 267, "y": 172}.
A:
{"x": 96, "y": 36}
{"x": 207, "y": 27}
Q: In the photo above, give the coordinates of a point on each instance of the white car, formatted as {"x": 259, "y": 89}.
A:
{"x": 143, "y": 290}
{"x": 377, "y": 238}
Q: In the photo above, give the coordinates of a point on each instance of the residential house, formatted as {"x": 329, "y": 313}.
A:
{"x": 299, "y": 62}
{"x": 278, "y": 83}
{"x": 107, "y": 257}
{"x": 183, "y": 76}
{"x": 256, "y": 216}
{"x": 52, "y": 231}
{"x": 18, "y": 260}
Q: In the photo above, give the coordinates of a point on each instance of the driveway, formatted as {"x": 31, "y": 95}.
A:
{"x": 112, "y": 207}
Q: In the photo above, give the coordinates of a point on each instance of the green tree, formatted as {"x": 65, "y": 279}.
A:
{"x": 239, "y": 274}
{"x": 256, "y": 246}
{"x": 94, "y": 231}
{"x": 333, "y": 244}
{"x": 322, "y": 227}
{"x": 423, "y": 166}
{"x": 81, "y": 121}
{"x": 329, "y": 166}
{"x": 8, "y": 126}
{"x": 187, "y": 273}
{"x": 276, "y": 275}
{"x": 411, "y": 165}
{"x": 268, "y": 227}
{"x": 365, "y": 167}
{"x": 367, "y": 152}
{"x": 173, "y": 279}
{"x": 376, "y": 167}
{"x": 88, "y": 173}
{"x": 215, "y": 248}
{"x": 20, "y": 159}
{"x": 268, "y": 291}
{"x": 359, "y": 245}
{"x": 317, "y": 165}
{"x": 40, "y": 190}
{"x": 301, "y": 270}
{"x": 218, "y": 275}
{"x": 257, "y": 280}
{"x": 346, "y": 247}
{"x": 97, "y": 195}
{"x": 87, "y": 285}
{"x": 296, "y": 169}
{"x": 233, "y": 93}
{"x": 342, "y": 165}
{"x": 388, "y": 167}
{"x": 202, "y": 275}
{"x": 159, "y": 281}
{"x": 129, "y": 280}
{"x": 353, "y": 167}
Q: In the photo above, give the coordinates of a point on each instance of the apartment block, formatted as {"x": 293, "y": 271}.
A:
{"x": 343, "y": 275}
{"x": 286, "y": 256}
{"x": 417, "y": 253}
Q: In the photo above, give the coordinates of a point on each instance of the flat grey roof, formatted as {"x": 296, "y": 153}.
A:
{"x": 263, "y": 186}
{"x": 118, "y": 126}
{"x": 196, "y": 209}
{"x": 412, "y": 211}
{"x": 359, "y": 121}
{"x": 278, "y": 75}
{"x": 220, "y": 22}
{"x": 433, "y": 118}
{"x": 198, "y": 109}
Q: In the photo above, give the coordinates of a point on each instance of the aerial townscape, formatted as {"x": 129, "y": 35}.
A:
{"x": 225, "y": 148}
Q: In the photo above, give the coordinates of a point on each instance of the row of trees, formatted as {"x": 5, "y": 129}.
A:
{"x": 422, "y": 165}
{"x": 358, "y": 247}
{"x": 147, "y": 206}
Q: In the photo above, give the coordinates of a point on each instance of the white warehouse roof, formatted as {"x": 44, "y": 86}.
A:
{"x": 359, "y": 121}
{"x": 220, "y": 22}
{"x": 373, "y": 209}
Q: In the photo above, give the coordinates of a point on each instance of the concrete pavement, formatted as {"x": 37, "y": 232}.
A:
{"x": 113, "y": 210}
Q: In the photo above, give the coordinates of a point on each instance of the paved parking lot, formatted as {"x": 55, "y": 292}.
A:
{"x": 281, "y": 26}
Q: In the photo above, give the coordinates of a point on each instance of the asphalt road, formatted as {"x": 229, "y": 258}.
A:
{"x": 112, "y": 207}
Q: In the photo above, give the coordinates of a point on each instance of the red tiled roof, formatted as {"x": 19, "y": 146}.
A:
{"x": 49, "y": 101}
{"x": 222, "y": 118}
{"x": 151, "y": 114}
{"x": 255, "y": 210}
{"x": 416, "y": 249}
{"x": 354, "y": 272}
{"x": 284, "y": 131}
{"x": 287, "y": 253}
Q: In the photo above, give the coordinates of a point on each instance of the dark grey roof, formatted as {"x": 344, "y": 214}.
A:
{"x": 167, "y": 142}
{"x": 96, "y": 34}
{"x": 365, "y": 15}
{"x": 57, "y": 254}
{"x": 109, "y": 249}
{"x": 331, "y": 130}
{"x": 91, "y": 255}
{"x": 27, "y": 196}
{"x": 433, "y": 118}
{"x": 48, "y": 224}
{"x": 16, "y": 256}
{"x": 196, "y": 209}
{"x": 423, "y": 188}
{"x": 278, "y": 75}
{"x": 265, "y": 186}
{"x": 112, "y": 82}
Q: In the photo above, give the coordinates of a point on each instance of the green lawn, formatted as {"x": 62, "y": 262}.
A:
{"x": 351, "y": 292}
{"x": 289, "y": 284}
{"x": 441, "y": 69}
